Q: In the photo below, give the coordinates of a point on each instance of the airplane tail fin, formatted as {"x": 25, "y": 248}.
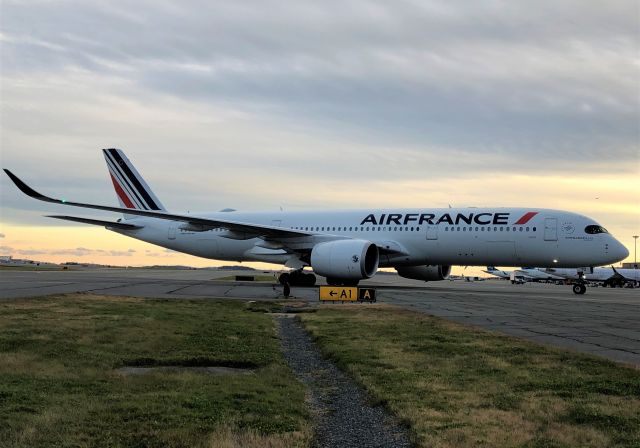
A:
{"x": 491, "y": 268}
{"x": 131, "y": 189}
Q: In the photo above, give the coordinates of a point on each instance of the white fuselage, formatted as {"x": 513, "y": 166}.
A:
{"x": 464, "y": 236}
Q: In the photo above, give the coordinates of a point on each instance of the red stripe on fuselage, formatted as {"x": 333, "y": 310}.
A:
{"x": 121, "y": 194}
{"x": 526, "y": 218}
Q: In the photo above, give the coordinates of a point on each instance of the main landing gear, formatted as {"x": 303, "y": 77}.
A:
{"x": 331, "y": 281}
{"x": 297, "y": 278}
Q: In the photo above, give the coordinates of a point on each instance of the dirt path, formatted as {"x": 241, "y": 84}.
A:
{"x": 343, "y": 417}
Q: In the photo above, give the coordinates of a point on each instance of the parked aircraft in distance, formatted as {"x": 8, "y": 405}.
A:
{"x": 523, "y": 275}
{"x": 347, "y": 246}
{"x": 498, "y": 272}
{"x": 536, "y": 275}
{"x": 608, "y": 276}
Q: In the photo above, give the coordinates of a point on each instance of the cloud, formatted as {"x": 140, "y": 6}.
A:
{"x": 513, "y": 79}
{"x": 78, "y": 252}
{"x": 261, "y": 104}
{"x": 7, "y": 250}
{"x": 84, "y": 252}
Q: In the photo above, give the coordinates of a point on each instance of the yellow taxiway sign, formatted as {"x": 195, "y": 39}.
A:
{"x": 347, "y": 294}
{"x": 339, "y": 293}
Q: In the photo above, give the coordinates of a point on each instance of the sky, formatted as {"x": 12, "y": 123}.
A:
{"x": 262, "y": 105}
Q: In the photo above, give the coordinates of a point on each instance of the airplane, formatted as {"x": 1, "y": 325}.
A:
{"x": 498, "y": 272}
{"x": 522, "y": 275}
{"x": 607, "y": 276}
{"x": 536, "y": 275}
{"x": 347, "y": 246}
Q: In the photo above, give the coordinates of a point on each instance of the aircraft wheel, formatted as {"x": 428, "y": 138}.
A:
{"x": 332, "y": 281}
{"x": 341, "y": 282}
{"x": 287, "y": 290}
{"x": 309, "y": 280}
{"x": 284, "y": 278}
{"x": 579, "y": 288}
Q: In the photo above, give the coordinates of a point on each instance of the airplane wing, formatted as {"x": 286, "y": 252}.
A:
{"x": 618, "y": 275}
{"x": 195, "y": 221}
{"x": 97, "y": 222}
{"x": 238, "y": 230}
{"x": 524, "y": 274}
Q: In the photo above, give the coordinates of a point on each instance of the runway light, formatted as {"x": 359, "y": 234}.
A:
{"x": 555, "y": 261}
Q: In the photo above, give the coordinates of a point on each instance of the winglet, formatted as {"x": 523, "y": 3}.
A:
{"x": 26, "y": 189}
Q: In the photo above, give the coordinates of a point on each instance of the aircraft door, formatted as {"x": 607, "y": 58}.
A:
{"x": 172, "y": 232}
{"x": 551, "y": 229}
{"x": 432, "y": 232}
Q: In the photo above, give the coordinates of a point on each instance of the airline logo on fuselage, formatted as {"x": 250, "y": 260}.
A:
{"x": 403, "y": 219}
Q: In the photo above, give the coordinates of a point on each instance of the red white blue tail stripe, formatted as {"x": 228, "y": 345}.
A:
{"x": 131, "y": 189}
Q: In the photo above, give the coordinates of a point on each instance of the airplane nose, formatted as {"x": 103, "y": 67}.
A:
{"x": 618, "y": 250}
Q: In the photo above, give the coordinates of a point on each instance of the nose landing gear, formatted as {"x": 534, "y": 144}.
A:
{"x": 579, "y": 288}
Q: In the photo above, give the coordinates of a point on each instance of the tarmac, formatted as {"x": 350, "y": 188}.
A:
{"x": 603, "y": 322}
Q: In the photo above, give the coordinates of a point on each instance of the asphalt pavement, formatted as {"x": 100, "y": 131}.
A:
{"x": 603, "y": 322}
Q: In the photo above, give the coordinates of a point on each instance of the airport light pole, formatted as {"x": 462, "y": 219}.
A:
{"x": 635, "y": 251}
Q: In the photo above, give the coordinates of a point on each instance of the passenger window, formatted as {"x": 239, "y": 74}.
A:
{"x": 534, "y": 229}
{"x": 527, "y": 229}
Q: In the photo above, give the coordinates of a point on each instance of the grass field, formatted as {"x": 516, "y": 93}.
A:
{"x": 458, "y": 386}
{"x": 59, "y": 387}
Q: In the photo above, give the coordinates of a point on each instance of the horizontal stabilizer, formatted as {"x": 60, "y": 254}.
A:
{"x": 97, "y": 222}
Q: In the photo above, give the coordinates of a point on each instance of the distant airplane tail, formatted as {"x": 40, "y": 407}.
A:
{"x": 131, "y": 189}
{"x": 491, "y": 268}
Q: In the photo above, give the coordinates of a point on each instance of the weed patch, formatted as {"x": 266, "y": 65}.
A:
{"x": 460, "y": 386}
{"x": 59, "y": 385}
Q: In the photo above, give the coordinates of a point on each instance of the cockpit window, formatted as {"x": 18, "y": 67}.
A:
{"x": 595, "y": 229}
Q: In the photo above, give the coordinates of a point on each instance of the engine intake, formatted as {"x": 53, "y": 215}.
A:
{"x": 426, "y": 273}
{"x": 345, "y": 259}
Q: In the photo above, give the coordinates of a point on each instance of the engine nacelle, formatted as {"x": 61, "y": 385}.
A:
{"x": 427, "y": 273}
{"x": 345, "y": 259}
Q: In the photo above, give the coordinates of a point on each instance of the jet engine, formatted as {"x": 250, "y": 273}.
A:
{"x": 345, "y": 259}
{"x": 427, "y": 273}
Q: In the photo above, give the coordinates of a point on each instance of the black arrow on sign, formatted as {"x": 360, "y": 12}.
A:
{"x": 332, "y": 293}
